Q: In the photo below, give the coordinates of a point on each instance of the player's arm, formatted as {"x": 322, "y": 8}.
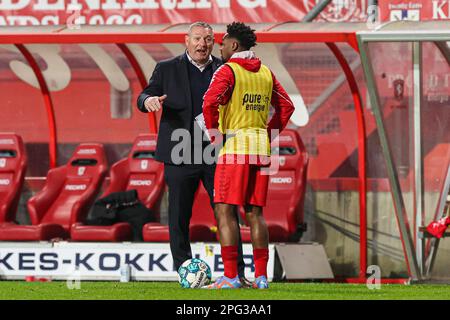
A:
{"x": 283, "y": 106}
{"x": 218, "y": 93}
{"x": 152, "y": 97}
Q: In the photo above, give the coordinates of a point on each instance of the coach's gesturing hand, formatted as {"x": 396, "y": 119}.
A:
{"x": 153, "y": 104}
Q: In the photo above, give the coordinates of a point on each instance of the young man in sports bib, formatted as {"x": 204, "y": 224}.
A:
{"x": 237, "y": 103}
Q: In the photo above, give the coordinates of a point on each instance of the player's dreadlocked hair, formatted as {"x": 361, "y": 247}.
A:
{"x": 242, "y": 33}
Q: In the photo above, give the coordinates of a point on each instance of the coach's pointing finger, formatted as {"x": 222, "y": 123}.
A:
{"x": 162, "y": 98}
{"x": 153, "y": 104}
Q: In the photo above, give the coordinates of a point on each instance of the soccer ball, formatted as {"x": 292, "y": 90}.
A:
{"x": 194, "y": 273}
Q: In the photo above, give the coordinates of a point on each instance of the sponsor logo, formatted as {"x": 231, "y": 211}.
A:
{"x": 283, "y": 138}
{"x": 411, "y": 15}
{"x": 26, "y": 12}
{"x": 91, "y": 262}
{"x": 87, "y": 151}
{"x": 140, "y": 182}
{"x": 282, "y": 161}
{"x": 406, "y": 10}
{"x": 5, "y": 182}
{"x": 7, "y": 141}
{"x": 81, "y": 170}
{"x": 146, "y": 143}
{"x": 50, "y": 5}
{"x": 144, "y": 164}
{"x": 2, "y": 162}
{"x": 280, "y": 180}
{"x": 441, "y": 9}
{"x": 76, "y": 187}
{"x": 255, "y": 102}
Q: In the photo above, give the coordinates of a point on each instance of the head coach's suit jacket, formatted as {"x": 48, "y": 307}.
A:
{"x": 170, "y": 77}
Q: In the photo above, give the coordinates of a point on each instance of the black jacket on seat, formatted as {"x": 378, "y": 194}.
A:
{"x": 122, "y": 206}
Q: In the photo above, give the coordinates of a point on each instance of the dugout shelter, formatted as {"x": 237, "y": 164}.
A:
{"x": 371, "y": 108}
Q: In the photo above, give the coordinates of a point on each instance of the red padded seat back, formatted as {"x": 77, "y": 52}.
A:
{"x": 13, "y": 162}
{"x": 202, "y": 213}
{"x": 285, "y": 197}
{"x": 74, "y": 186}
{"x": 146, "y": 174}
{"x": 140, "y": 171}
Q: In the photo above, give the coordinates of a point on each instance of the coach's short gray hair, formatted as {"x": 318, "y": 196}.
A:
{"x": 199, "y": 24}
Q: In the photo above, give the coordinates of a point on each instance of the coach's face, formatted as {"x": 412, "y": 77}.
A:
{"x": 200, "y": 43}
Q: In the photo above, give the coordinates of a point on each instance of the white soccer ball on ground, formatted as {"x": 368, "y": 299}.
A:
{"x": 194, "y": 273}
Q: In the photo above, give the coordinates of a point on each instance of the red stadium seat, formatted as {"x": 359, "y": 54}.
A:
{"x": 138, "y": 171}
{"x": 13, "y": 162}
{"x": 65, "y": 198}
{"x": 284, "y": 208}
{"x": 202, "y": 226}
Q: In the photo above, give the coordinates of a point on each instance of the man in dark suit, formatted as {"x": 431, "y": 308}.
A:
{"x": 177, "y": 87}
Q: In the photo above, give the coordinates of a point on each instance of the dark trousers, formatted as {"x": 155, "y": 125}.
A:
{"x": 183, "y": 181}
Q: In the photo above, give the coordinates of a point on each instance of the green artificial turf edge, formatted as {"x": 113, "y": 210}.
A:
{"x": 58, "y": 290}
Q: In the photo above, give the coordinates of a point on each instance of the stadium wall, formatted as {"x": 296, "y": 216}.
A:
{"x": 333, "y": 221}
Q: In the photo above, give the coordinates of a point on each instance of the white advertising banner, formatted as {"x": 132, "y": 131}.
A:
{"x": 104, "y": 261}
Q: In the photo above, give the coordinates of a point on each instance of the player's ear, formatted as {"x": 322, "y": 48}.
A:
{"x": 235, "y": 46}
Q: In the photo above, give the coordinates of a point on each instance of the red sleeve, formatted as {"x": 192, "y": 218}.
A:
{"x": 283, "y": 105}
{"x": 218, "y": 93}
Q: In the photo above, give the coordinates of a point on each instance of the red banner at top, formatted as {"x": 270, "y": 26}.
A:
{"x": 57, "y": 12}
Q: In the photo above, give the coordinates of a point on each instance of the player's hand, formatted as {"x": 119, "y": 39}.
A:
{"x": 153, "y": 104}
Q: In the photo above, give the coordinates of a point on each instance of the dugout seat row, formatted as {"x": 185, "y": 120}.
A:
{"x": 139, "y": 171}
{"x": 68, "y": 192}
{"x": 60, "y": 208}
